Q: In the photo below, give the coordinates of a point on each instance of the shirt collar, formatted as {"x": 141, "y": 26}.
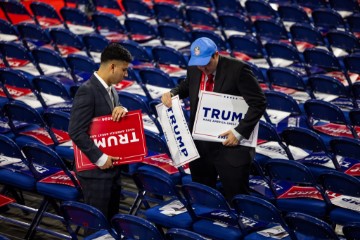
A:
{"x": 102, "y": 81}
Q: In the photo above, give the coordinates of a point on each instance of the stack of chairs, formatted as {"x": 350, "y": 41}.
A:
{"x": 305, "y": 54}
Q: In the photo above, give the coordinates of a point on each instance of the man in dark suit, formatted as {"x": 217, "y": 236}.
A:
{"x": 210, "y": 71}
{"x": 97, "y": 97}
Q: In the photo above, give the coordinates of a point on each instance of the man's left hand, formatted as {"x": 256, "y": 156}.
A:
{"x": 118, "y": 113}
{"x": 231, "y": 140}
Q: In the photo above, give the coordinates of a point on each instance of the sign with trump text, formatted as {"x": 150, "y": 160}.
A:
{"x": 178, "y": 138}
{"x": 218, "y": 113}
{"x": 124, "y": 139}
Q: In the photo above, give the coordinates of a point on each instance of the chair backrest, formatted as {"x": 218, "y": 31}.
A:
{"x": 182, "y": 234}
{"x": 49, "y": 57}
{"x": 95, "y": 42}
{"x": 234, "y": 21}
{"x": 321, "y": 110}
{"x": 8, "y": 148}
{"x": 200, "y": 18}
{"x": 8, "y": 28}
{"x": 329, "y": 85}
{"x": 13, "y": 78}
{"x": 246, "y": 44}
{"x": 346, "y": 5}
{"x": 341, "y": 183}
{"x": 173, "y": 32}
{"x": 199, "y": 3}
{"x": 156, "y": 77}
{"x": 75, "y": 16}
{"x": 285, "y": 77}
{"x": 352, "y": 63}
{"x": 141, "y": 27}
{"x": 168, "y": 55}
{"x": 270, "y": 28}
{"x": 169, "y": 12}
{"x": 351, "y": 231}
{"x": 326, "y": 19}
{"x": 353, "y": 22}
{"x": 304, "y": 226}
{"x": 218, "y": 40}
{"x": 282, "y": 102}
{"x": 85, "y": 216}
{"x": 133, "y": 102}
{"x": 57, "y": 119}
{"x": 33, "y": 35}
{"x": 346, "y": 147}
{"x": 64, "y": 37}
{"x": 155, "y": 143}
{"x": 228, "y": 6}
{"x": 293, "y": 13}
{"x": 138, "y": 52}
{"x": 138, "y": 8}
{"x": 82, "y": 67}
{"x": 343, "y": 40}
{"x": 44, "y": 10}
{"x": 15, "y": 11}
{"x": 133, "y": 227}
{"x": 354, "y": 115}
{"x": 260, "y": 9}
{"x": 49, "y": 85}
{"x": 107, "y": 21}
{"x": 306, "y": 33}
{"x": 283, "y": 51}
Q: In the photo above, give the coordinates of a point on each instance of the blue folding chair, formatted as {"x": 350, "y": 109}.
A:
{"x": 307, "y": 227}
{"x": 16, "y": 56}
{"x": 312, "y": 4}
{"x": 228, "y": 6}
{"x": 295, "y": 188}
{"x": 234, "y": 24}
{"x": 199, "y": 18}
{"x": 169, "y": 12}
{"x": 326, "y": 19}
{"x": 15, "y": 12}
{"x": 109, "y": 26}
{"x": 344, "y": 188}
{"x": 81, "y": 215}
{"x": 175, "y": 36}
{"x": 8, "y": 31}
{"x": 260, "y": 10}
{"x": 141, "y": 56}
{"x": 182, "y": 234}
{"x": 261, "y": 211}
{"x": 77, "y": 21}
{"x": 206, "y": 4}
{"x": 45, "y": 162}
{"x": 354, "y": 116}
{"x": 291, "y": 14}
{"x": 140, "y": 30}
{"x": 353, "y": 23}
{"x": 347, "y": 5}
{"x": 351, "y": 230}
{"x": 138, "y": 9}
{"x": 109, "y": 6}
{"x": 46, "y": 15}
{"x": 82, "y": 67}
{"x": 133, "y": 227}
{"x": 352, "y": 65}
{"x": 342, "y": 43}
{"x": 163, "y": 204}
{"x": 33, "y": 36}
{"x": 307, "y": 36}
{"x": 95, "y": 44}
{"x": 307, "y": 147}
{"x": 271, "y": 30}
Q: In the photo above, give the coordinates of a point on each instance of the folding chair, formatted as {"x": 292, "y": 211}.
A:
{"x": 182, "y": 234}
{"x": 331, "y": 90}
{"x": 8, "y": 31}
{"x": 343, "y": 192}
{"x": 52, "y": 93}
{"x": 87, "y": 217}
{"x": 284, "y": 111}
{"x": 312, "y": 4}
{"x": 271, "y": 30}
{"x": 47, "y": 167}
{"x": 16, "y": 56}
{"x": 260, "y": 76}
{"x": 175, "y": 36}
{"x": 46, "y": 15}
{"x": 234, "y": 24}
{"x": 95, "y": 44}
{"x": 259, "y": 210}
{"x": 326, "y": 19}
{"x": 79, "y": 4}
{"x": 139, "y": 9}
{"x": 169, "y": 13}
{"x": 109, "y": 26}
{"x": 307, "y": 147}
{"x": 166, "y": 208}
{"x": 142, "y": 57}
{"x": 141, "y": 31}
{"x": 205, "y": 4}
{"x": 208, "y": 206}
{"x": 328, "y": 120}
{"x": 306, "y": 36}
{"x": 291, "y": 14}
{"x": 17, "y": 86}
{"x": 77, "y": 21}
{"x": 260, "y": 10}
{"x": 305, "y": 227}
{"x": 295, "y": 188}
{"x": 342, "y": 43}
{"x": 354, "y": 116}
{"x": 33, "y": 36}
{"x": 133, "y": 227}
{"x": 352, "y": 66}
{"x": 82, "y": 67}
{"x": 351, "y": 230}
{"x": 199, "y": 18}
{"x": 346, "y": 7}
{"x": 353, "y": 23}
{"x": 290, "y": 82}
{"x": 15, "y": 12}
{"x": 109, "y": 6}
{"x": 66, "y": 42}
{"x": 228, "y": 6}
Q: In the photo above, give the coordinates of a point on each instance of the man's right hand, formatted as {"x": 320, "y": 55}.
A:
{"x": 166, "y": 99}
{"x": 109, "y": 162}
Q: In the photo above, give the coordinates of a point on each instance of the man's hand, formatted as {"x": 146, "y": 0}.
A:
{"x": 109, "y": 162}
{"x": 166, "y": 99}
{"x": 118, "y": 113}
{"x": 231, "y": 140}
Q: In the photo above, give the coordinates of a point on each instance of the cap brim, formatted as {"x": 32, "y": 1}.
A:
{"x": 199, "y": 61}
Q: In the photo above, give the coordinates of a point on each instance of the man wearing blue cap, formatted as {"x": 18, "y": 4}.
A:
{"x": 210, "y": 71}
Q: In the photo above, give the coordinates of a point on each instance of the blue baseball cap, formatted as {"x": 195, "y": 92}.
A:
{"x": 201, "y": 51}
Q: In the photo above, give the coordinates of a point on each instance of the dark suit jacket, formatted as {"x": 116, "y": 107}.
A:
{"x": 91, "y": 100}
{"x": 232, "y": 77}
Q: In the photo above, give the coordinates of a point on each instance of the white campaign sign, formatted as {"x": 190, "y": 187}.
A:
{"x": 218, "y": 113}
{"x": 177, "y": 134}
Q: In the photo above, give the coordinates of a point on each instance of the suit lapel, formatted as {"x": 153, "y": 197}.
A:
{"x": 220, "y": 74}
{"x": 103, "y": 92}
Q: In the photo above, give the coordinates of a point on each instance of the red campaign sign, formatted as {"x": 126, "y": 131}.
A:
{"x": 303, "y": 45}
{"x": 13, "y": 62}
{"x": 124, "y": 139}
{"x": 17, "y": 92}
{"x": 48, "y": 22}
{"x": 261, "y": 141}
{"x": 123, "y": 84}
{"x": 66, "y": 50}
{"x": 284, "y": 89}
{"x": 341, "y": 77}
{"x": 354, "y": 170}
{"x": 4, "y": 200}
{"x": 140, "y": 37}
{"x": 59, "y": 178}
{"x": 336, "y": 130}
{"x": 302, "y": 192}
{"x": 162, "y": 161}
{"x": 43, "y": 136}
{"x": 242, "y": 56}
{"x": 264, "y": 86}
{"x": 115, "y": 37}
{"x": 169, "y": 68}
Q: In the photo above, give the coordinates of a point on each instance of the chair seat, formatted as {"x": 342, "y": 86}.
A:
{"x": 344, "y": 216}
{"x": 102, "y": 234}
{"x": 58, "y": 191}
{"x": 176, "y": 177}
{"x": 182, "y": 220}
{"x": 217, "y": 231}
{"x": 66, "y": 152}
{"x": 23, "y": 140}
{"x": 312, "y": 207}
{"x": 17, "y": 179}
